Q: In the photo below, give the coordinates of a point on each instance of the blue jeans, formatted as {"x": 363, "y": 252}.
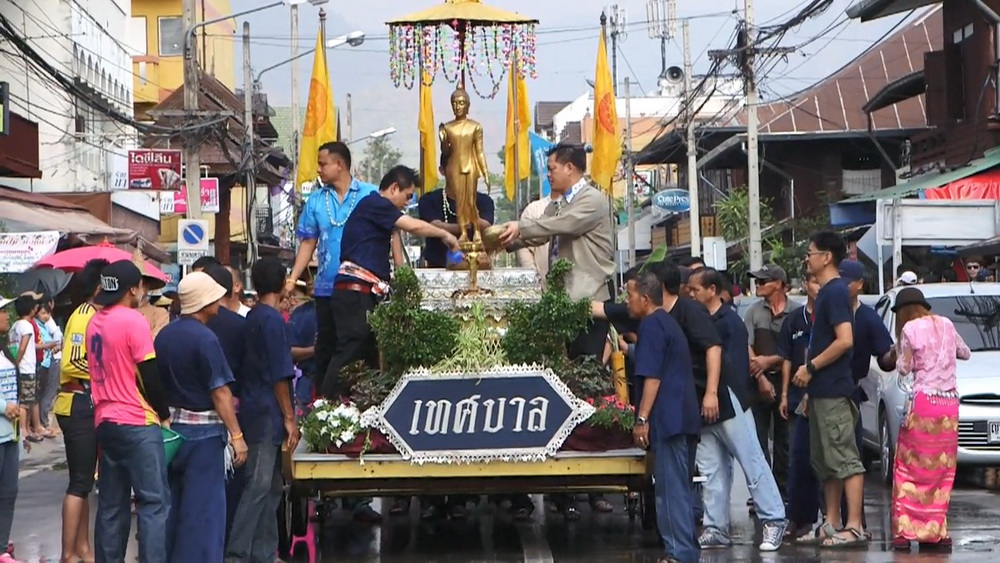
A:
{"x": 132, "y": 460}
{"x": 720, "y": 443}
{"x": 803, "y": 488}
{"x": 675, "y": 498}
{"x": 253, "y": 537}
{"x": 196, "y": 528}
{"x": 10, "y": 454}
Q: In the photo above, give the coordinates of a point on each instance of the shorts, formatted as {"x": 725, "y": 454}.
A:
{"x": 27, "y": 389}
{"x": 833, "y": 450}
{"x": 81, "y": 445}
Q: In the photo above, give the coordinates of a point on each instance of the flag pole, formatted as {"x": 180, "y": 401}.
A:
{"x": 518, "y": 190}
{"x": 420, "y": 102}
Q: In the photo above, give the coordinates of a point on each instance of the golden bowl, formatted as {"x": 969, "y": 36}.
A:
{"x": 491, "y": 238}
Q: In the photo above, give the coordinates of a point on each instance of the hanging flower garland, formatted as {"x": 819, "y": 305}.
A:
{"x": 483, "y": 55}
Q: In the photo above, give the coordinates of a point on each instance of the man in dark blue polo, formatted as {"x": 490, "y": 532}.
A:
{"x": 668, "y": 420}
{"x": 793, "y": 344}
{"x": 439, "y": 209}
{"x": 364, "y": 274}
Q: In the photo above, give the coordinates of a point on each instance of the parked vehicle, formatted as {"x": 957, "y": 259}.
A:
{"x": 975, "y": 311}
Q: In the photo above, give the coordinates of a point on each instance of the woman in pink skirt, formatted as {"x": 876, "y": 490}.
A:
{"x": 924, "y": 473}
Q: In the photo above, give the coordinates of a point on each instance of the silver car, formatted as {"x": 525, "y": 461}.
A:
{"x": 975, "y": 311}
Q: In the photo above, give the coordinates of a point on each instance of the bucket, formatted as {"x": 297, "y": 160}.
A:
{"x": 172, "y": 442}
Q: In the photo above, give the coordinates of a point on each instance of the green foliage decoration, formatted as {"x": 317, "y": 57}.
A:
{"x": 537, "y": 333}
{"x": 408, "y": 336}
{"x": 479, "y": 345}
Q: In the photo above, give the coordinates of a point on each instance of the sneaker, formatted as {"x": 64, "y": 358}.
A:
{"x": 774, "y": 531}
{"x": 713, "y": 538}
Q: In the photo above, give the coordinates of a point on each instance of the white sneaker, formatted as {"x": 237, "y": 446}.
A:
{"x": 774, "y": 533}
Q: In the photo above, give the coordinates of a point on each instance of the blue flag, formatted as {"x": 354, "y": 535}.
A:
{"x": 540, "y": 157}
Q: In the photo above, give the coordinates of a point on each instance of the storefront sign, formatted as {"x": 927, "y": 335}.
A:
{"x": 673, "y": 200}
{"x": 176, "y": 202}
{"x": 154, "y": 169}
{"x": 510, "y": 413}
{"x": 20, "y": 251}
{"x": 117, "y": 171}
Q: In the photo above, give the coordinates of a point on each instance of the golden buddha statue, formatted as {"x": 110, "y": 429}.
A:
{"x": 462, "y": 147}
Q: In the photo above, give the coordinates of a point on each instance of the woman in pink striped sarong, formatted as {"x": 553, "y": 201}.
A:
{"x": 926, "y": 451}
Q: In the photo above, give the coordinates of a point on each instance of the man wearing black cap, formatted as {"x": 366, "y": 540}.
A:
{"x": 127, "y": 414}
{"x": 764, "y": 319}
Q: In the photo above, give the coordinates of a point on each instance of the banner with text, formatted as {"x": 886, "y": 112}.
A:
{"x": 176, "y": 202}
{"x": 154, "y": 169}
{"x": 20, "y": 251}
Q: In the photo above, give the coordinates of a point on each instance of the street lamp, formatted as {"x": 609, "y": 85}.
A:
{"x": 374, "y": 135}
{"x": 352, "y": 39}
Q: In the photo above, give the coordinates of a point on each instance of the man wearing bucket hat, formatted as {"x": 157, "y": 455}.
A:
{"x": 127, "y": 415}
{"x": 196, "y": 379}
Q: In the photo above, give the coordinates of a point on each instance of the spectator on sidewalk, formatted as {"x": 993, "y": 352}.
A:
{"x": 10, "y": 439}
{"x": 48, "y": 374}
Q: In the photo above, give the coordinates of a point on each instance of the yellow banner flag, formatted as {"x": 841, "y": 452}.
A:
{"x": 428, "y": 136}
{"x": 521, "y": 135}
{"x": 321, "y": 119}
{"x": 607, "y": 145}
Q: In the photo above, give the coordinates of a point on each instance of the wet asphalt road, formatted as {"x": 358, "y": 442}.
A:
{"x": 488, "y": 536}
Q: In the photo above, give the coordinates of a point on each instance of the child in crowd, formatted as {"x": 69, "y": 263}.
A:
{"x": 22, "y": 342}
{"x": 10, "y": 413}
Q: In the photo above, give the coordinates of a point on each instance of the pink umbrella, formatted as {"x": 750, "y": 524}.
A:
{"x": 74, "y": 259}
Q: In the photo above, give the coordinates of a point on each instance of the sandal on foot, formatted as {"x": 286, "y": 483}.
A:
{"x": 818, "y": 536}
{"x": 901, "y": 544}
{"x": 858, "y": 539}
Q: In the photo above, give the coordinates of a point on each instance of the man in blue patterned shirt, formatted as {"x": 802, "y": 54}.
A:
{"x": 321, "y": 226}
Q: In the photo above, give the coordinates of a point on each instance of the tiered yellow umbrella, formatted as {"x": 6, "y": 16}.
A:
{"x": 463, "y": 39}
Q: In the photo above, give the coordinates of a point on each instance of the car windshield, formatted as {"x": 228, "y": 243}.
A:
{"x": 977, "y": 318}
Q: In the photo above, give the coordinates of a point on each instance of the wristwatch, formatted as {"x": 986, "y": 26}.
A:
{"x": 641, "y": 421}
{"x": 810, "y": 367}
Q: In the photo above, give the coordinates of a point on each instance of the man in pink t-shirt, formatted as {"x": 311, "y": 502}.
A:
{"x": 128, "y": 408}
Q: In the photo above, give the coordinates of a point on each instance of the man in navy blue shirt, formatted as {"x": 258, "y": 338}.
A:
{"x": 302, "y": 336}
{"x": 735, "y": 435}
{"x": 196, "y": 379}
{"x": 228, "y": 325}
{"x": 793, "y": 343}
{"x": 266, "y": 417}
{"x": 668, "y": 419}
{"x": 365, "y": 271}
{"x": 439, "y": 209}
{"x": 827, "y": 378}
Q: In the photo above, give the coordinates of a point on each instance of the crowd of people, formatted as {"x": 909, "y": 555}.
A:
{"x": 181, "y": 417}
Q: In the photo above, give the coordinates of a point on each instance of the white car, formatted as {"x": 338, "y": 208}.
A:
{"x": 975, "y": 310}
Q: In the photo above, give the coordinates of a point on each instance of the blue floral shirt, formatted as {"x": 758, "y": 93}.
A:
{"x": 316, "y": 223}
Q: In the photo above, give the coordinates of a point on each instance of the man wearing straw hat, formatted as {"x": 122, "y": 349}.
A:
{"x": 157, "y": 317}
{"x": 196, "y": 379}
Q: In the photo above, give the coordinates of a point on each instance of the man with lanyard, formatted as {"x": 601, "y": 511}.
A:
{"x": 763, "y": 320}
{"x": 733, "y": 436}
{"x": 802, "y": 486}
{"x": 196, "y": 379}
{"x": 871, "y": 340}
{"x": 74, "y": 412}
{"x": 439, "y": 209}
{"x": 363, "y": 277}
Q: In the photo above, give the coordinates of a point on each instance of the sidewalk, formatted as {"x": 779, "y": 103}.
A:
{"x": 44, "y": 455}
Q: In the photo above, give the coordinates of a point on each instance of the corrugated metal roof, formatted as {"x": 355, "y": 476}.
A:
{"x": 931, "y": 180}
{"x": 835, "y": 103}
{"x": 545, "y": 112}
{"x": 869, "y": 10}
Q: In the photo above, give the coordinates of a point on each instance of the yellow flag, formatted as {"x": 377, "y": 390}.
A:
{"x": 428, "y": 135}
{"x": 521, "y": 134}
{"x": 321, "y": 119}
{"x": 607, "y": 145}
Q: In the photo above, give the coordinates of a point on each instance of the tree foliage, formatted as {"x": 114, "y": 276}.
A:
{"x": 379, "y": 156}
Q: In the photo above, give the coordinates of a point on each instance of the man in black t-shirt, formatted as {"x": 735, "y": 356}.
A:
{"x": 827, "y": 378}
{"x": 439, "y": 209}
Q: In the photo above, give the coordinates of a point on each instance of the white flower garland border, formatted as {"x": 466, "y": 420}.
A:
{"x": 580, "y": 411}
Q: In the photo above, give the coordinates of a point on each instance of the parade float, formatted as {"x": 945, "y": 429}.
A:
{"x": 473, "y": 391}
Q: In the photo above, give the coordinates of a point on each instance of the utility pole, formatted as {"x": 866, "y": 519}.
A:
{"x": 192, "y": 87}
{"x": 692, "y": 149}
{"x": 350, "y": 120}
{"x": 753, "y": 165}
{"x": 248, "y": 142}
{"x": 629, "y": 173}
{"x": 296, "y": 125}
{"x": 618, "y": 23}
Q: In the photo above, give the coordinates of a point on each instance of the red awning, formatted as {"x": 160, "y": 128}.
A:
{"x": 985, "y": 185}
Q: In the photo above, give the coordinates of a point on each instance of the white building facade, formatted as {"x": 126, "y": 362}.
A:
{"x": 81, "y": 148}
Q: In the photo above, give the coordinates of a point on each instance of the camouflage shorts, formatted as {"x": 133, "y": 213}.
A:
{"x": 27, "y": 384}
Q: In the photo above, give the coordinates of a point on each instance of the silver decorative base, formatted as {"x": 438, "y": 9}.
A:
{"x": 504, "y": 285}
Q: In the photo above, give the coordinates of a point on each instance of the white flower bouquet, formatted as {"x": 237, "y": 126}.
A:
{"x": 331, "y": 424}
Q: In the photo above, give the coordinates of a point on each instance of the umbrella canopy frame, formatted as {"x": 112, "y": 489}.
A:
{"x": 461, "y": 39}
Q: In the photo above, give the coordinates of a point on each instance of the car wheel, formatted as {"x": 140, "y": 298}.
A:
{"x": 887, "y": 450}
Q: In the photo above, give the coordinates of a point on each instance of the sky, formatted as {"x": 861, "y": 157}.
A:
{"x": 567, "y": 45}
